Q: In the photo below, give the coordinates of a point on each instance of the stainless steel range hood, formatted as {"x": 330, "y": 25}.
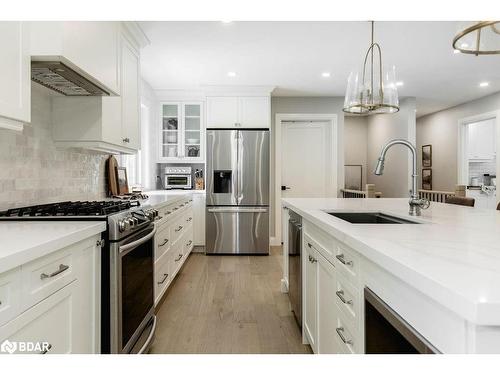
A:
{"x": 65, "y": 78}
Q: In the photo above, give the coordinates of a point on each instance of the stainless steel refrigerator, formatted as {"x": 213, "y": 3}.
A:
{"x": 237, "y": 212}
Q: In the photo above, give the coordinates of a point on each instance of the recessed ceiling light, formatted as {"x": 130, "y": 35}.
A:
{"x": 455, "y": 51}
{"x": 226, "y": 21}
{"x": 325, "y": 74}
{"x": 400, "y": 83}
{"x": 231, "y": 74}
{"x": 484, "y": 84}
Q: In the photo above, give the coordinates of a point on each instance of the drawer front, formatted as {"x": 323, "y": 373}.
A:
{"x": 176, "y": 258}
{"x": 188, "y": 240}
{"x": 162, "y": 276}
{"x": 347, "y": 262}
{"x": 46, "y": 275}
{"x": 10, "y": 295}
{"x": 348, "y": 301}
{"x": 326, "y": 244}
{"x": 51, "y": 325}
{"x": 162, "y": 242}
{"x": 347, "y": 338}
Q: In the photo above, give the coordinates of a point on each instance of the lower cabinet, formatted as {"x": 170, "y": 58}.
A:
{"x": 327, "y": 311}
{"x": 199, "y": 219}
{"x": 310, "y": 295}
{"x": 56, "y": 308}
{"x": 173, "y": 243}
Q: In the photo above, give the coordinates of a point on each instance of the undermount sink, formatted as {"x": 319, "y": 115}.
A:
{"x": 370, "y": 218}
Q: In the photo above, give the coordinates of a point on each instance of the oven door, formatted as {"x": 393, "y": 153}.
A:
{"x": 132, "y": 304}
{"x": 181, "y": 181}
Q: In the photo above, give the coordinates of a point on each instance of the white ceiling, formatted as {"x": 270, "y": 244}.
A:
{"x": 292, "y": 56}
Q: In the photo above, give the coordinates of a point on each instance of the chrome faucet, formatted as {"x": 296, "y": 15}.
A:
{"x": 415, "y": 202}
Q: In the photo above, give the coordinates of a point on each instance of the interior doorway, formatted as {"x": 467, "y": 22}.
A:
{"x": 307, "y": 155}
{"x": 478, "y": 161}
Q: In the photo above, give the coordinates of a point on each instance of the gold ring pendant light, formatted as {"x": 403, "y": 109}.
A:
{"x": 372, "y": 97}
{"x": 482, "y": 38}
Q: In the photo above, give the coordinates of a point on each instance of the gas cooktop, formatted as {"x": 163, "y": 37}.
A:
{"x": 69, "y": 209}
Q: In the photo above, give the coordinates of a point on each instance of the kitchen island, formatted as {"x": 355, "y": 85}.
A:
{"x": 441, "y": 276}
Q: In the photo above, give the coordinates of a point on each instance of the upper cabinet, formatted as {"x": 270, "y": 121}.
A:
{"x": 481, "y": 143}
{"x": 93, "y": 48}
{"x": 15, "y": 90}
{"x": 107, "y": 124}
{"x": 238, "y": 112}
{"x": 181, "y": 132}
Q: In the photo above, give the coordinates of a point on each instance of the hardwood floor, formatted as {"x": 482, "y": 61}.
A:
{"x": 228, "y": 304}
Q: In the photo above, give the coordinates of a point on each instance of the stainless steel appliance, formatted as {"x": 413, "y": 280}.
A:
{"x": 295, "y": 265}
{"x": 128, "y": 322}
{"x": 237, "y": 217}
{"x": 178, "y": 178}
{"x": 386, "y": 332}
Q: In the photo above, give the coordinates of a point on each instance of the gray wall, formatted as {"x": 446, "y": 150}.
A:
{"x": 356, "y": 142}
{"x": 440, "y": 129}
{"x": 302, "y": 105}
{"x": 394, "y": 183}
{"x": 34, "y": 171}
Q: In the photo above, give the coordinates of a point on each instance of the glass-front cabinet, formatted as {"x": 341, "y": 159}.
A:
{"x": 181, "y": 132}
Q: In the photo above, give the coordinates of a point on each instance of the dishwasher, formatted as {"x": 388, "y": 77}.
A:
{"x": 295, "y": 265}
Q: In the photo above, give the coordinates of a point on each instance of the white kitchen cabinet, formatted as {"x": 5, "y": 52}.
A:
{"x": 181, "y": 132}
{"x": 481, "y": 143}
{"x": 238, "y": 112}
{"x": 93, "y": 47}
{"x": 105, "y": 124}
{"x": 310, "y": 294}
{"x": 15, "y": 90}
{"x": 199, "y": 219}
{"x": 56, "y": 301}
{"x": 327, "y": 311}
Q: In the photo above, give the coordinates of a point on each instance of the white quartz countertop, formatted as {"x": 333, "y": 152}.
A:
{"x": 163, "y": 197}
{"x": 24, "y": 241}
{"x": 453, "y": 256}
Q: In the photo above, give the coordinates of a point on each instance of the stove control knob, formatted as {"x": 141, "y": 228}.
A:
{"x": 130, "y": 221}
{"x": 122, "y": 225}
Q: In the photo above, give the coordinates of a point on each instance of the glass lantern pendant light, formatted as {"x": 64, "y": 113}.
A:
{"x": 482, "y": 38}
{"x": 375, "y": 93}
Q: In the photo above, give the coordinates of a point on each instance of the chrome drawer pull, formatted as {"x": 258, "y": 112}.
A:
{"x": 340, "y": 331}
{"x": 180, "y": 256}
{"x": 164, "y": 243}
{"x": 165, "y": 275}
{"x": 312, "y": 259}
{"x": 188, "y": 220}
{"x": 340, "y": 294}
{"x": 189, "y": 243}
{"x": 62, "y": 268}
{"x": 308, "y": 244}
{"x": 342, "y": 260}
{"x": 45, "y": 351}
{"x": 180, "y": 228}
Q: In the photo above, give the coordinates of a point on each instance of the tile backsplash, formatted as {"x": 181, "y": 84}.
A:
{"x": 478, "y": 169}
{"x": 34, "y": 171}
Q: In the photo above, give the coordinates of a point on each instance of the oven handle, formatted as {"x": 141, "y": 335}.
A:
{"x": 140, "y": 241}
{"x": 150, "y": 337}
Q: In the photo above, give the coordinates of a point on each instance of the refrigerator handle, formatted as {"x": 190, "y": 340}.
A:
{"x": 239, "y": 162}
{"x": 237, "y": 209}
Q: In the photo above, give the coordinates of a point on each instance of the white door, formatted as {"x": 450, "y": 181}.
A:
{"x": 307, "y": 167}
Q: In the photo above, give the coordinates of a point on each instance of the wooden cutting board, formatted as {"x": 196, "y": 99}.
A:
{"x": 111, "y": 172}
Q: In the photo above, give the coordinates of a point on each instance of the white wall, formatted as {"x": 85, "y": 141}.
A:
{"x": 356, "y": 143}
{"x": 440, "y": 129}
{"x": 395, "y": 182}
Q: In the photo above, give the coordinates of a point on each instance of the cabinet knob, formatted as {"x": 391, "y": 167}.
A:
{"x": 126, "y": 140}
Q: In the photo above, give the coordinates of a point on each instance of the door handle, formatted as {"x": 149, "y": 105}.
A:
{"x": 283, "y": 187}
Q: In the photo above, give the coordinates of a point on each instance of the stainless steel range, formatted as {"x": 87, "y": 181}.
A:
{"x": 127, "y": 295}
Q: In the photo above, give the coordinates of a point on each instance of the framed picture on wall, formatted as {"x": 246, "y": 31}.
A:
{"x": 427, "y": 179}
{"x": 353, "y": 177}
{"x": 427, "y": 156}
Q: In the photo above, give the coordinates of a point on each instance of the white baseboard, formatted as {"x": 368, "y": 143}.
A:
{"x": 273, "y": 241}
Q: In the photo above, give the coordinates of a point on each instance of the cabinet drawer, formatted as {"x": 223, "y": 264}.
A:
{"x": 187, "y": 240}
{"x": 347, "y": 338}
{"x": 10, "y": 295}
{"x": 162, "y": 276}
{"x": 162, "y": 242}
{"x": 51, "y": 324}
{"x": 347, "y": 300}
{"x": 347, "y": 262}
{"x": 176, "y": 258}
{"x": 325, "y": 242}
{"x": 46, "y": 275}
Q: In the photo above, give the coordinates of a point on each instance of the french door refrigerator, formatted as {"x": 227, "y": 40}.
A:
{"x": 237, "y": 211}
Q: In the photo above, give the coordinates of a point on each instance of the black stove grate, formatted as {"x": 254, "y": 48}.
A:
{"x": 79, "y": 208}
